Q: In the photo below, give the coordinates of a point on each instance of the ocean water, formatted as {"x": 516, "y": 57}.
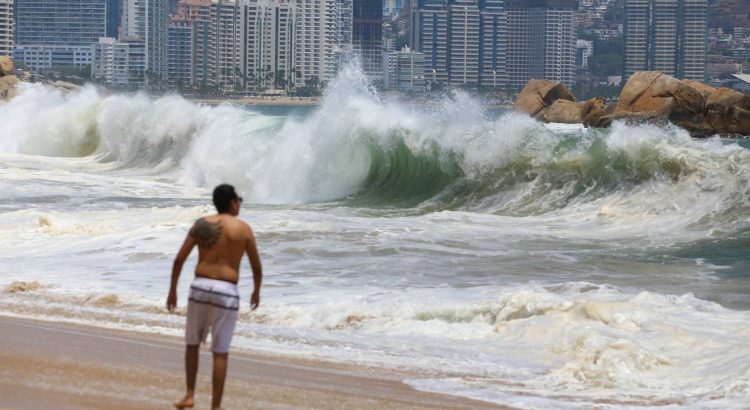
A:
{"x": 491, "y": 256}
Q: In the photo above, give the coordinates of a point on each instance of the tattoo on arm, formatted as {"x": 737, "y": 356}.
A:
{"x": 207, "y": 234}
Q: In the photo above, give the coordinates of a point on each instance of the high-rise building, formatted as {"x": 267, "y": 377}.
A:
{"x": 179, "y": 54}
{"x": 667, "y": 36}
{"x": 464, "y": 41}
{"x": 148, "y": 21}
{"x": 105, "y": 67}
{"x": 315, "y": 43}
{"x": 693, "y": 53}
{"x": 636, "y": 34}
{"x": 243, "y": 45}
{"x": 58, "y": 32}
{"x": 60, "y": 22}
{"x": 6, "y": 27}
{"x": 493, "y": 43}
{"x": 541, "y": 41}
{"x": 268, "y": 43}
{"x": 224, "y": 52}
{"x": 429, "y": 35}
{"x": 664, "y": 36}
{"x": 367, "y": 37}
{"x": 404, "y": 71}
{"x": 119, "y": 63}
{"x": 198, "y": 14}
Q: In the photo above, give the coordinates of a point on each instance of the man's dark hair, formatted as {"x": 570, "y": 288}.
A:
{"x": 223, "y": 196}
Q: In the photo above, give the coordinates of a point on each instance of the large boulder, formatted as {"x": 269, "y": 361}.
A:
{"x": 702, "y": 88}
{"x": 651, "y": 96}
{"x": 728, "y": 111}
{"x": 638, "y": 99}
{"x": 6, "y": 66}
{"x": 592, "y": 112}
{"x": 564, "y": 111}
{"x": 8, "y": 87}
{"x": 538, "y": 95}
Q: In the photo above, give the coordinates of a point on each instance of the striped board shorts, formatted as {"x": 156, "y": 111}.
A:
{"x": 212, "y": 304}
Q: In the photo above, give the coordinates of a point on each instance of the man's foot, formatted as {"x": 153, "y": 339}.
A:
{"x": 186, "y": 403}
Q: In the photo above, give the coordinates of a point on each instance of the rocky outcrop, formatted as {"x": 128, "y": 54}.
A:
{"x": 6, "y": 66}
{"x": 593, "y": 111}
{"x": 729, "y": 110}
{"x": 538, "y": 95}
{"x": 647, "y": 97}
{"x": 8, "y": 80}
{"x": 651, "y": 96}
{"x": 563, "y": 111}
{"x": 8, "y": 87}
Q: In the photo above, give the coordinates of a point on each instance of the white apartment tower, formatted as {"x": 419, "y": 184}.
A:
{"x": 224, "y": 51}
{"x": 316, "y": 41}
{"x": 119, "y": 63}
{"x": 270, "y": 44}
{"x": 269, "y": 28}
{"x": 6, "y": 27}
{"x": 148, "y": 21}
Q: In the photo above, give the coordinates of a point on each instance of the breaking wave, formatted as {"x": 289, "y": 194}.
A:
{"x": 365, "y": 152}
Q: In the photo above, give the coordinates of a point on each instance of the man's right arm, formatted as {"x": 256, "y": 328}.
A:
{"x": 182, "y": 255}
{"x": 252, "y": 253}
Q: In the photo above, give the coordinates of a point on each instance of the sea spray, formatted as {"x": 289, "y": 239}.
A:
{"x": 359, "y": 151}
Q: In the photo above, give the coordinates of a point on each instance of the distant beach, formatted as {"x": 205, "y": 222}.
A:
{"x": 281, "y": 101}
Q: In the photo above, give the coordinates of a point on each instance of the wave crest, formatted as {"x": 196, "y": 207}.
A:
{"x": 369, "y": 153}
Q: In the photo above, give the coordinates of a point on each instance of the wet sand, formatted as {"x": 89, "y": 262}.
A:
{"x": 51, "y": 365}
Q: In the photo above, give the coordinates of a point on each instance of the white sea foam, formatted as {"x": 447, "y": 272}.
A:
{"x": 515, "y": 163}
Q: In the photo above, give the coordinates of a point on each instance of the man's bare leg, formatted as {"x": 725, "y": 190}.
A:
{"x": 191, "y": 371}
{"x": 219, "y": 376}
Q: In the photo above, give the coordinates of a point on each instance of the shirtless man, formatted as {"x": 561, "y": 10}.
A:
{"x": 213, "y": 303}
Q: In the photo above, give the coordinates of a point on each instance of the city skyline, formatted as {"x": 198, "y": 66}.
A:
{"x": 288, "y": 45}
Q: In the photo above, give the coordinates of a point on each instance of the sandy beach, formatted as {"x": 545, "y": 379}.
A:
{"x": 50, "y": 365}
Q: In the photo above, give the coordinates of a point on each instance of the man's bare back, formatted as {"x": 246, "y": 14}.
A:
{"x": 222, "y": 240}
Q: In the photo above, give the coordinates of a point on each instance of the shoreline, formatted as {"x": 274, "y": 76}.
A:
{"x": 301, "y": 102}
{"x": 49, "y": 364}
{"x": 280, "y": 101}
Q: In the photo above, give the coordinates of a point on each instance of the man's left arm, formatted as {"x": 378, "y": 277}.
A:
{"x": 182, "y": 255}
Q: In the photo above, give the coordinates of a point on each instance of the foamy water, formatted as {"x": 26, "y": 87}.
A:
{"x": 495, "y": 258}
